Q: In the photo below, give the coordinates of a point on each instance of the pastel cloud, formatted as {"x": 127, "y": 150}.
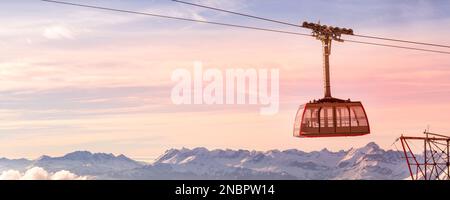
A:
{"x": 58, "y": 33}
{"x": 38, "y": 173}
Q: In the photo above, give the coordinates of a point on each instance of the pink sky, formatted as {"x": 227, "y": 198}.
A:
{"x": 67, "y": 85}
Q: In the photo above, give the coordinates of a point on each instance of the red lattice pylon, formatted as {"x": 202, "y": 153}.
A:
{"x": 434, "y": 164}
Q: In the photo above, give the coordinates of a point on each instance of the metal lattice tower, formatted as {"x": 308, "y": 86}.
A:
{"x": 435, "y": 162}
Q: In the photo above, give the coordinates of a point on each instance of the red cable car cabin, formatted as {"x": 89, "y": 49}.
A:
{"x": 331, "y": 118}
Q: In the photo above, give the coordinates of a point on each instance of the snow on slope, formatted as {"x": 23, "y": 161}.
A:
{"x": 368, "y": 162}
{"x": 86, "y": 163}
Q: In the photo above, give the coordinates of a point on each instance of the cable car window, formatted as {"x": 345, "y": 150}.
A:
{"x": 310, "y": 118}
{"x": 342, "y": 117}
{"x": 315, "y": 117}
{"x": 297, "y": 122}
{"x": 307, "y": 118}
{"x": 326, "y": 117}
{"x": 358, "y": 117}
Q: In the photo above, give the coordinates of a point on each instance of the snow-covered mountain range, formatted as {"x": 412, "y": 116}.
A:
{"x": 368, "y": 162}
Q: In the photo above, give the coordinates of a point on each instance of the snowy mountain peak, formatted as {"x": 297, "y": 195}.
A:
{"x": 86, "y": 163}
{"x": 44, "y": 157}
{"x": 370, "y": 148}
{"x": 325, "y": 150}
{"x": 123, "y": 157}
{"x": 199, "y": 150}
{"x": 168, "y": 154}
{"x": 88, "y": 156}
{"x": 78, "y": 155}
{"x": 373, "y": 145}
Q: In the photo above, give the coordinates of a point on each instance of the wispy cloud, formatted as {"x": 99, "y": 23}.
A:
{"x": 58, "y": 32}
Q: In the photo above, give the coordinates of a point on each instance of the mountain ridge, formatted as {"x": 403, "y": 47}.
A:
{"x": 367, "y": 162}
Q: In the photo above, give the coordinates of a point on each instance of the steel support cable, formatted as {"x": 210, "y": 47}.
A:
{"x": 235, "y": 26}
{"x": 177, "y": 18}
{"x": 297, "y": 25}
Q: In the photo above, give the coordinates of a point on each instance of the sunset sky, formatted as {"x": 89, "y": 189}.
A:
{"x": 81, "y": 79}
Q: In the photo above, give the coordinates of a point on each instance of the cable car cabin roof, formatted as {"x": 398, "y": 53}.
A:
{"x": 331, "y": 118}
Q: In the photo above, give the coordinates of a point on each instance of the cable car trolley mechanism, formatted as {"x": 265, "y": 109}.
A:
{"x": 329, "y": 116}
